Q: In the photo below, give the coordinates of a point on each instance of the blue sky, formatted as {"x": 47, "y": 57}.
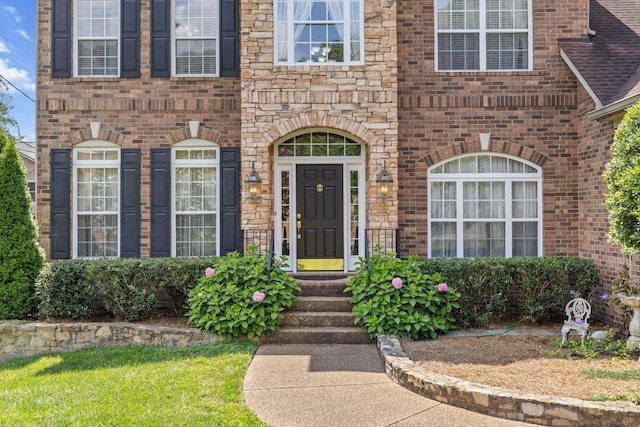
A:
{"x": 18, "y": 60}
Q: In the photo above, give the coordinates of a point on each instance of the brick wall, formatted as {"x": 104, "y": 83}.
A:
{"x": 139, "y": 113}
{"x": 535, "y": 113}
{"x": 594, "y": 154}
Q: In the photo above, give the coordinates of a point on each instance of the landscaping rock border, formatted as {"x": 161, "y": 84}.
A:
{"x": 22, "y": 339}
{"x": 501, "y": 402}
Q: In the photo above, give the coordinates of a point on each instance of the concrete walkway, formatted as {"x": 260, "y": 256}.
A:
{"x": 342, "y": 385}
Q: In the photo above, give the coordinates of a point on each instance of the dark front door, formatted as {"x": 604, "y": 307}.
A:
{"x": 319, "y": 219}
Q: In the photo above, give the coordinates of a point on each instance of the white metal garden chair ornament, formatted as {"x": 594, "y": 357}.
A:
{"x": 578, "y": 311}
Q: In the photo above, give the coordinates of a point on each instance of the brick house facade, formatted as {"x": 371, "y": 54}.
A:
{"x": 489, "y": 160}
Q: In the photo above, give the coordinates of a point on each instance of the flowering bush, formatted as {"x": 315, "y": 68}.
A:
{"x": 234, "y": 298}
{"x": 401, "y": 300}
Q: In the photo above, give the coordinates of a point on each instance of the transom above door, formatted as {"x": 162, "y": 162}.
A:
{"x": 319, "y": 199}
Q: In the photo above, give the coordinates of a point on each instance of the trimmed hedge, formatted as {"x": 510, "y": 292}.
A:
{"x": 525, "y": 289}
{"x": 131, "y": 288}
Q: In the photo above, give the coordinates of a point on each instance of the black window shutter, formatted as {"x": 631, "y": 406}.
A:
{"x": 61, "y": 38}
{"x": 60, "y": 203}
{"x": 229, "y": 39}
{"x": 230, "y": 239}
{"x": 160, "y": 38}
{"x": 130, "y": 203}
{"x": 130, "y": 39}
{"x": 160, "y": 202}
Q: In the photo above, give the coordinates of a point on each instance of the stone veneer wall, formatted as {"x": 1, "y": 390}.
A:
{"x": 500, "y": 402}
{"x": 20, "y": 339}
{"x": 360, "y": 100}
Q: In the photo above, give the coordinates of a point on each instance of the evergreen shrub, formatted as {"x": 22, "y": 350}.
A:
{"x": 21, "y": 258}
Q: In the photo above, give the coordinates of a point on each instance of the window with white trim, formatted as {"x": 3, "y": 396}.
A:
{"x": 97, "y": 37}
{"x": 319, "y": 32}
{"x": 96, "y": 199}
{"x": 483, "y": 35}
{"x": 195, "y": 189}
{"x": 195, "y": 37}
{"x": 485, "y": 206}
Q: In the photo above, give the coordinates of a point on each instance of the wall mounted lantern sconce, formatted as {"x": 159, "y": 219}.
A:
{"x": 384, "y": 182}
{"x": 253, "y": 183}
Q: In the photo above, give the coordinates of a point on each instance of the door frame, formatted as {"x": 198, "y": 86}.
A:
{"x": 349, "y": 165}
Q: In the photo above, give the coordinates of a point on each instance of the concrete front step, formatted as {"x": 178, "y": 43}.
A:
{"x": 317, "y": 319}
{"x": 322, "y": 289}
{"x": 325, "y": 335}
{"x": 319, "y": 303}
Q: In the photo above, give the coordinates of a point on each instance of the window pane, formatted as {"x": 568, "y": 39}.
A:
{"x": 484, "y": 239}
{"x": 443, "y": 239}
{"x": 525, "y": 239}
{"x": 458, "y": 51}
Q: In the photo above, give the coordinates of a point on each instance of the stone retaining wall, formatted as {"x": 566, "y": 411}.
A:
{"x": 20, "y": 339}
{"x": 500, "y": 402}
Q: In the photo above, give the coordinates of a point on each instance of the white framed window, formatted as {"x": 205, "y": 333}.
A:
{"x": 196, "y": 222}
{"x": 484, "y": 35}
{"x": 96, "y": 200}
{"x": 195, "y": 37}
{"x": 97, "y": 38}
{"x": 485, "y": 206}
{"x": 319, "y": 31}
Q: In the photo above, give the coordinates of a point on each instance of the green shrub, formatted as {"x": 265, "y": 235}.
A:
{"x": 127, "y": 286}
{"x": 64, "y": 290}
{"x": 483, "y": 283}
{"x": 527, "y": 289}
{"x": 21, "y": 258}
{"x": 178, "y": 275}
{"x": 400, "y": 299}
{"x": 622, "y": 175}
{"x": 237, "y": 299}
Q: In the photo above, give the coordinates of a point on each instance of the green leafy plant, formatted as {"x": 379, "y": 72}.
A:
{"x": 622, "y": 175}
{"x": 528, "y": 289}
{"x": 238, "y": 297}
{"x": 21, "y": 258}
{"x": 123, "y": 286}
{"x": 611, "y": 346}
{"x": 63, "y": 289}
{"x": 400, "y": 299}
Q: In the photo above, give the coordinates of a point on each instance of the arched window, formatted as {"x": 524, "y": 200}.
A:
{"x": 485, "y": 205}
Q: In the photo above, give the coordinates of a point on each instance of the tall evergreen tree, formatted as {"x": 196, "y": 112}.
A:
{"x": 21, "y": 258}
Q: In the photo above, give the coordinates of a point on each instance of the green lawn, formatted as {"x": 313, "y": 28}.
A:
{"x": 129, "y": 386}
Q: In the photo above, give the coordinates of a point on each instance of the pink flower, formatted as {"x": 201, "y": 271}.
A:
{"x": 258, "y": 296}
{"x": 442, "y": 287}
{"x": 397, "y": 282}
{"x": 209, "y": 272}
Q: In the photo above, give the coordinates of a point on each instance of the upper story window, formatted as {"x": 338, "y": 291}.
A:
{"x": 195, "y": 37}
{"x": 97, "y": 24}
{"x": 320, "y": 32}
{"x": 484, "y": 35}
{"x": 485, "y": 206}
{"x": 96, "y": 172}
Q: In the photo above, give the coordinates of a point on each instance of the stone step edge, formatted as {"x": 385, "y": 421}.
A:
{"x": 497, "y": 401}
